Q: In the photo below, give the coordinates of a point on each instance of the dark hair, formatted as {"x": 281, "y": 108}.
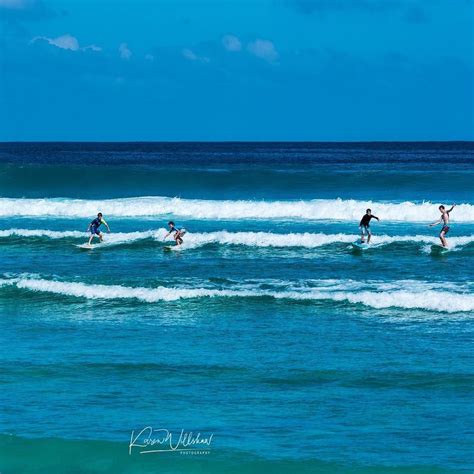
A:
{"x": 368, "y": 210}
{"x": 170, "y": 223}
{"x": 100, "y": 214}
{"x": 441, "y": 207}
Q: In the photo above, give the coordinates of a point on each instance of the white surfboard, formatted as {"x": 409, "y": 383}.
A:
{"x": 439, "y": 249}
{"x": 87, "y": 246}
{"x": 172, "y": 248}
{"x": 359, "y": 245}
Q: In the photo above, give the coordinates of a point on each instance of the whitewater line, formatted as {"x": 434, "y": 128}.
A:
{"x": 253, "y": 239}
{"x": 318, "y": 209}
{"x": 416, "y": 297}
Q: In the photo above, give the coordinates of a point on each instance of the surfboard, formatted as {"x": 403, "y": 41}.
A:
{"x": 172, "y": 248}
{"x": 84, "y": 246}
{"x": 88, "y": 247}
{"x": 439, "y": 249}
{"x": 360, "y": 246}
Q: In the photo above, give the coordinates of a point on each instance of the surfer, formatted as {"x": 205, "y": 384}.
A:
{"x": 444, "y": 219}
{"x": 364, "y": 226}
{"x": 94, "y": 227}
{"x": 178, "y": 233}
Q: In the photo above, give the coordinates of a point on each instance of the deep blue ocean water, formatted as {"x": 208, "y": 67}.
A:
{"x": 267, "y": 329}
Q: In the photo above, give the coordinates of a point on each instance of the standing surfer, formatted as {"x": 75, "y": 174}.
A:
{"x": 94, "y": 227}
{"x": 444, "y": 219}
{"x": 364, "y": 226}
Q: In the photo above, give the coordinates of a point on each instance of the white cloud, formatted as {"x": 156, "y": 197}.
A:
{"x": 63, "y": 42}
{"x": 15, "y": 4}
{"x": 92, "y": 47}
{"x": 188, "y": 54}
{"x": 67, "y": 41}
{"x": 125, "y": 52}
{"x": 231, "y": 43}
{"x": 12, "y": 4}
{"x": 192, "y": 56}
{"x": 263, "y": 49}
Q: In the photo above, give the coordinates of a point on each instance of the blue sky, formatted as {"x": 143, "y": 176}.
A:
{"x": 236, "y": 70}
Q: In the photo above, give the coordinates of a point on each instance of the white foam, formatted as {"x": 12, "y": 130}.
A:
{"x": 337, "y": 209}
{"x": 306, "y": 240}
{"x": 41, "y": 233}
{"x": 253, "y": 239}
{"x": 107, "y": 292}
{"x": 406, "y": 295}
{"x": 109, "y": 238}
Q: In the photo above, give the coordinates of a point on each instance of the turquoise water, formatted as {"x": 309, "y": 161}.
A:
{"x": 266, "y": 330}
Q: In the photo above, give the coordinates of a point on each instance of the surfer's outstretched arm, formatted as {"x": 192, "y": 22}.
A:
{"x": 437, "y": 222}
{"x": 452, "y": 207}
{"x": 106, "y": 225}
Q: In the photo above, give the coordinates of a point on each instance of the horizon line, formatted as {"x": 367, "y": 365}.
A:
{"x": 233, "y": 141}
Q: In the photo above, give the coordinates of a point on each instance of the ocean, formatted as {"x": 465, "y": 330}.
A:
{"x": 267, "y": 334}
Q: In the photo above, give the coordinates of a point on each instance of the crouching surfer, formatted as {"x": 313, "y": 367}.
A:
{"x": 178, "y": 233}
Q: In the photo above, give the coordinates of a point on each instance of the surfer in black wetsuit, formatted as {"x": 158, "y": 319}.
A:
{"x": 364, "y": 226}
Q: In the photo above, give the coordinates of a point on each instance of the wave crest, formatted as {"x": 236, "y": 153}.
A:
{"x": 252, "y": 239}
{"x": 405, "y": 295}
{"x": 336, "y": 209}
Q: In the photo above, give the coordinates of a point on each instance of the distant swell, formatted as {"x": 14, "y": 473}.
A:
{"x": 337, "y": 209}
{"x": 406, "y": 295}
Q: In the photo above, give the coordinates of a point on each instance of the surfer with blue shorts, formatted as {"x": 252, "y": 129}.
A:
{"x": 94, "y": 227}
{"x": 364, "y": 226}
{"x": 444, "y": 220}
{"x": 178, "y": 233}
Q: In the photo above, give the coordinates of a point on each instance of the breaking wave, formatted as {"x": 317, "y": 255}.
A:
{"x": 403, "y": 294}
{"x": 336, "y": 209}
{"x": 253, "y": 239}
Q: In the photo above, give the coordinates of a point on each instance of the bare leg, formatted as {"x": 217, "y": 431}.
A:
{"x": 361, "y": 236}
{"x": 443, "y": 239}
{"x": 90, "y": 239}
{"x": 369, "y": 236}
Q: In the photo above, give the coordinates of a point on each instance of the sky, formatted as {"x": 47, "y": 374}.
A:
{"x": 219, "y": 70}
